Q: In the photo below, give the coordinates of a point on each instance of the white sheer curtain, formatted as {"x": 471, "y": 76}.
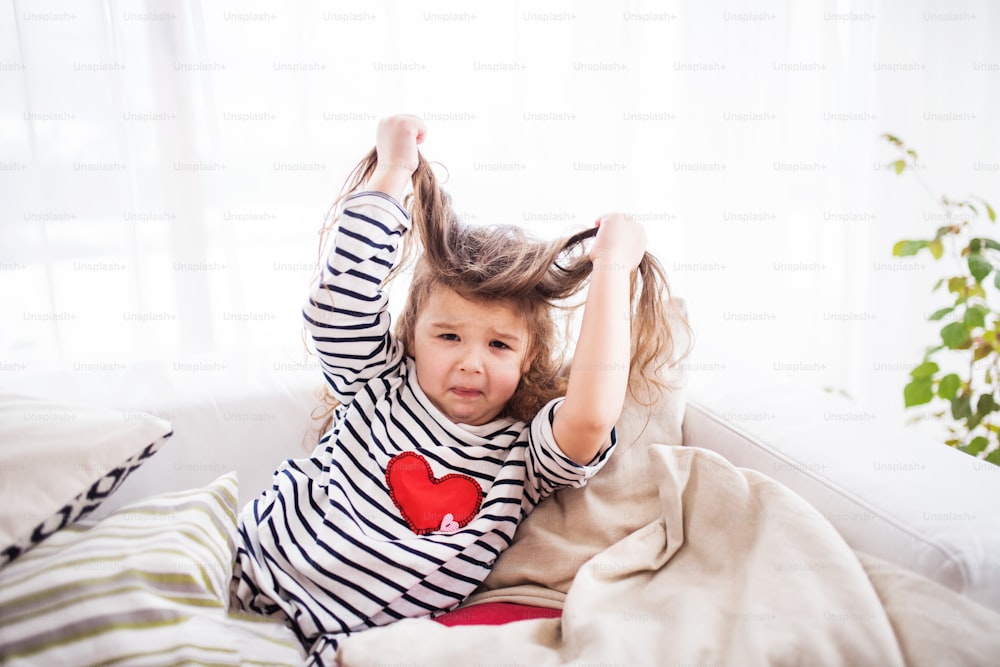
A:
{"x": 166, "y": 165}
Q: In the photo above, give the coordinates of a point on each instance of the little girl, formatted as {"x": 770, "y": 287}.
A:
{"x": 452, "y": 428}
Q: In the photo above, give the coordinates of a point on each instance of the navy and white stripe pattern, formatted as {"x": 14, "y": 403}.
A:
{"x": 325, "y": 547}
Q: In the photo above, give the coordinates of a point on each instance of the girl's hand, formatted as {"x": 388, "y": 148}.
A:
{"x": 396, "y": 141}
{"x": 620, "y": 242}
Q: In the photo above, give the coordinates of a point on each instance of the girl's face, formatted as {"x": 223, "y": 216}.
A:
{"x": 469, "y": 355}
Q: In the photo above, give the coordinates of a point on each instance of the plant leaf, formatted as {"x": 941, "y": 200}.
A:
{"x": 987, "y": 404}
{"x": 908, "y": 248}
{"x": 954, "y": 334}
{"x": 899, "y": 166}
{"x": 931, "y": 350}
{"x": 993, "y": 457}
{"x": 984, "y": 406}
{"x": 977, "y": 445}
{"x": 990, "y": 243}
{"x": 918, "y": 392}
{"x": 936, "y": 248}
{"x": 956, "y": 285}
{"x": 982, "y": 351}
{"x": 975, "y": 316}
{"x": 938, "y": 314}
{"x": 925, "y": 370}
{"x": 960, "y": 407}
{"x": 949, "y": 386}
{"x": 979, "y": 266}
{"x": 990, "y": 212}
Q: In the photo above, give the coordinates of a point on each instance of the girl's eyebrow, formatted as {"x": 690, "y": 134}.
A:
{"x": 496, "y": 333}
{"x": 504, "y": 335}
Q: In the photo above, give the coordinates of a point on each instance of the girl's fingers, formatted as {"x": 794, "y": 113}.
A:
{"x": 421, "y": 130}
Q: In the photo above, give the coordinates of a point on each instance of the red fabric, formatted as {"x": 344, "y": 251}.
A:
{"x": 429, "y": 504}
{"x": 496, "y": 613}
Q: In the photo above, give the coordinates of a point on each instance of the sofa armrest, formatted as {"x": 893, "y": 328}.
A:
{"x": 888, "y": 490}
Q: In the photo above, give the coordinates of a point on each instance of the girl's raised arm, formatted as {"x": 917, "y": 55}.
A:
{"x": 598, "y": 377}
{"x": 346, "y": 313}
{"x": 396, "y": 142}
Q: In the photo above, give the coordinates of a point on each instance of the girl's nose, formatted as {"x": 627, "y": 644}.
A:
{"x": 472, "y": 361}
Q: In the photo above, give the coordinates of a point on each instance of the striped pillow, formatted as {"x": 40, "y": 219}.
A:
{"x": 147, "y": 585}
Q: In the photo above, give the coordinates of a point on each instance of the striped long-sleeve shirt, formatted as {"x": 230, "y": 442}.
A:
{"x": 398, "y": 512}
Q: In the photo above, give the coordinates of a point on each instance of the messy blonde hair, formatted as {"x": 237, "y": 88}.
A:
{"x": 503, "y": 264}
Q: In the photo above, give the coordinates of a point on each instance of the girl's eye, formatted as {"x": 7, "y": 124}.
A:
{"x": 500, "y": 345}
{"x": 448, "y": 336}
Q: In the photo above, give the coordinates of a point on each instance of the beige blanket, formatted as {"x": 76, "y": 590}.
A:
{"x": 733, "y": 570}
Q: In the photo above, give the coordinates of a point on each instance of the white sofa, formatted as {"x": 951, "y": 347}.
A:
{"x": 897, "y": 495}
{"x": 888, "y": 490}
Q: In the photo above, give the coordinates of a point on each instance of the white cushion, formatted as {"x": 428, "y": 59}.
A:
{"x": 245, "y": 413}
{"x": 59, "y": 462}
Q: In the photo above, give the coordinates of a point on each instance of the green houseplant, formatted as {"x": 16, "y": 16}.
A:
{"x": 969, "y": 339}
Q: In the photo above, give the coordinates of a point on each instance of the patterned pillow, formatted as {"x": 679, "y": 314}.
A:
{"x": 59, "y": 462}
{"x": 146, "y": 585}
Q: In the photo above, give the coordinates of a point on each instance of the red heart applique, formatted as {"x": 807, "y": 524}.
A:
{"x": 428, "y": 504}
